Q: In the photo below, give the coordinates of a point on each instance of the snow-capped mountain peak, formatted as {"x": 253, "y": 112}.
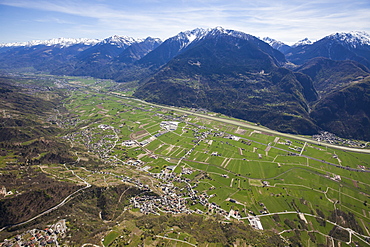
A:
{"x": 64, "y": 42}
{"x": 120, "y": 41}
{"x": 192, "y": 34}
{"x": 352, "y": 39}
{"x": 273, "y": 42}
{"x": 233, "y": 33}
{"x": 187, "y": 37}
{"x": 302, "y": 42}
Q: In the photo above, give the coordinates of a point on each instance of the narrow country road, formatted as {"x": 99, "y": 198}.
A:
{"x": 174, "y": 239}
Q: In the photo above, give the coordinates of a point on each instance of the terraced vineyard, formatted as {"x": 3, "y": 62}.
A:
{"x": 187, "y": 161}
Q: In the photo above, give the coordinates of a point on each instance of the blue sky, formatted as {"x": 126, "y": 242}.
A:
{"x": 285, "y": 20}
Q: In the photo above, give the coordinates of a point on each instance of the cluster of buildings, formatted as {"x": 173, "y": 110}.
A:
{"x": 168, "y": 202}
{"x": 255, "y": 222}
{"x": 328, "y": 137}
{"x": 101, "y": 147}
{"x": 175, "y": 200}
{"x": 146, "y": 204}
{"x": 169, "y": 125}
{"x": 35, "y": 237}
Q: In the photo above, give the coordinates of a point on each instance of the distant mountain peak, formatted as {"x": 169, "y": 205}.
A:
{"x": 278, "y": 45}
{"x": 150, "y": 39}
{"x": 120, "y": 41}
{"x": 302, "y": 42}
{"x": 64, "y": 42}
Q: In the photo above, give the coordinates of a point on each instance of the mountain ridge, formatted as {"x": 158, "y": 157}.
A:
{"x": 352, "y": 38}
{"x": 339, "y": 46}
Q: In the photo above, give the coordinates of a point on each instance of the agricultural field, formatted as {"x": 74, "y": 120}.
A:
{"x": 188, "y": 162}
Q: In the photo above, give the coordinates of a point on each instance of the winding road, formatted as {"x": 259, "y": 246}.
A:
{"x": 56, "y": 206}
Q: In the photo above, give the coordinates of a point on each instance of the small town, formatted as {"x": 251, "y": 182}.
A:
{"x": 325, "y": 136}
{"x": 174, "y": 199}
{"x": 36, "y": 237}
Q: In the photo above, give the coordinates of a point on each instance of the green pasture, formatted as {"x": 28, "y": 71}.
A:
{"x": 171, "y": 138}
{"x": 153, "y": 128}
{"x": 354, "y": 160}
{"x": 261, "y": 137}
{"x": 256, "y": 169}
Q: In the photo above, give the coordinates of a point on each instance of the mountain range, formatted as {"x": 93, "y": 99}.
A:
{"x": 303, "y": 88}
